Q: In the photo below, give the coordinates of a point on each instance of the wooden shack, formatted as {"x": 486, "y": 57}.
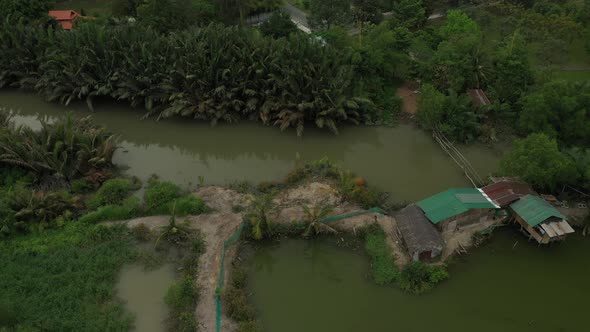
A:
{"x": 455, "y": 208}
{"x": 540, "y": 220}
{"x": 421, "y": 238}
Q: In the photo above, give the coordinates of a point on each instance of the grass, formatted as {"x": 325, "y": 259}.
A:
{"x": 90, "y": 7}
{"x": 383, "y": 267}
{"x": 112, "y": 192}
{"x": 128, "y": 209}
{"x": 572, "y": 76}
{"x": 63, "y": 280}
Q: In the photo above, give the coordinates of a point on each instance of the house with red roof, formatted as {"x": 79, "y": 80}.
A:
{"x": 65, "y": 18}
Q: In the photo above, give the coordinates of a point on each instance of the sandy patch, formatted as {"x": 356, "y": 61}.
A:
{"x": 462, "y": 239}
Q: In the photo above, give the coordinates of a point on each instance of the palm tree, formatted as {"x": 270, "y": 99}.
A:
{"x": 313, "y": 217}
{"x": 260, "y": 216}
{"x": 586, "y": 229}
{"x": 173, "y": 232}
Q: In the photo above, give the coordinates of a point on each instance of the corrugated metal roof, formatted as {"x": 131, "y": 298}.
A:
{"x": 452, "y": 202}
{"x": 535, "y": 210}
{"x": 503, "y": 193}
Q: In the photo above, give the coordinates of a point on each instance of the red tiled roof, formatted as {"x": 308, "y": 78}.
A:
{"x": 504, "y": 193}
{"x": 62, "y": 15}
{"x": 65, "y": 17}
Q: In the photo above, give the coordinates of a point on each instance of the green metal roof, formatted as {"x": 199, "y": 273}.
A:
{"x": 534, "y": 210}
{"x": 452, "y": 202}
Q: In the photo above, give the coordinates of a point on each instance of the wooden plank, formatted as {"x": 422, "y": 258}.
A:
{"x": 548, "y": 230}
{"x": 557, "y": 230}
{"x": 566, "y": 227}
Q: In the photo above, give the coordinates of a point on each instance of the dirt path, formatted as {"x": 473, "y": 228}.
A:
{"x": 409, "y": 97}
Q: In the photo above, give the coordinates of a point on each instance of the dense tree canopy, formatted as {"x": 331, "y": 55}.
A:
{"x": 537, "y": 160}
{"x": 452, "y": 115}
{"x": 25, "y": 9}
{"x": 559, "y": 109}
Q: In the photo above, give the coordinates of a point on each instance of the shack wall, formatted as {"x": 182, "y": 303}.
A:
{"x": 466, "y": 218}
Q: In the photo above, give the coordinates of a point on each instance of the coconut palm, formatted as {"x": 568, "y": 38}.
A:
{"x": 260, "y": 215}
{"x": 313, "y": 217}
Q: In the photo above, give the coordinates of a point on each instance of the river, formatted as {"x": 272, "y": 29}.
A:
{"x": 313, "y": 286}
{"x": 403, "y": 160}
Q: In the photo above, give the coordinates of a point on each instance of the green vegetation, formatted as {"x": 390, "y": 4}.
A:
{"x": 419, "y": 277}
{"x": 259, "y": 216}
{"x": 284, "y": 82}
{"x": 235, "y": 297}
{"x": 278, "y": 25}
{"x": 128, "y": 209}
{"x": 313, "y": 219}
{"x": 61, "y": 151}
{"x": 537, "y": 160}
{"x": 63, "y": 279}
{"x": 383, "y": 267}
{"x": 112, "y": 192}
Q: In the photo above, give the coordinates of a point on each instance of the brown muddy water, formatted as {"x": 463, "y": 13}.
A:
{"x": 403, "y": 160}
{"x": 143, "y": 290}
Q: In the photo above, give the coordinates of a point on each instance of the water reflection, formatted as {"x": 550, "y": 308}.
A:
{"x": 403, "y": 160}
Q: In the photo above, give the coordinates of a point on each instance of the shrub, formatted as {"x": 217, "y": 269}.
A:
{"x": 159, "y": 194}
{"x": 182, "y": 295}
{"x": 187, "y": 205}
{"x": 112, "y": 192}
{"x": 383, "y": 266}
{"x": 238, "y": 307}
{"x": 127, "y": 210}
{"x": 80, "y": 186}
{"x": 419, "y": 277}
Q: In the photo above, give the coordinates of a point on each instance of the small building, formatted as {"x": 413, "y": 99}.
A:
{"x": 454, "y": 208}
{"x": 421, "y": 238}
{"x": 65, "y": 18}
{"x": 540, "y": 220}
{"x": 507, "y": 191}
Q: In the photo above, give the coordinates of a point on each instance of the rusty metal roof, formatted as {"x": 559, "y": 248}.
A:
{"x": 504, "y": 193}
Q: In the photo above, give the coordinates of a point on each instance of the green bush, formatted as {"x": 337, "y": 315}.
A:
{"x": 187, "y": 205}
{"x": 182, "y": 295}
{"x": 419, "y": 277}
{"x": 159, "y": 194}
{"x": 112, "y": 192}
{"x": 127, "y": 210}
{"x": 383, "y": 266}
{"x": 80, "y": 186}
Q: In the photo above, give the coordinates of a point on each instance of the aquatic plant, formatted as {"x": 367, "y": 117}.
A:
{"x": 214, "y": 73}
{"x": 259, "y": 216}
{"x": 313, "y": 219}
{"x": 181, "y": 299}
{"x": 418, "y": 277}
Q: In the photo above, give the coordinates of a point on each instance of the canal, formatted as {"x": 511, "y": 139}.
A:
{"x": 403, "y": 160}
